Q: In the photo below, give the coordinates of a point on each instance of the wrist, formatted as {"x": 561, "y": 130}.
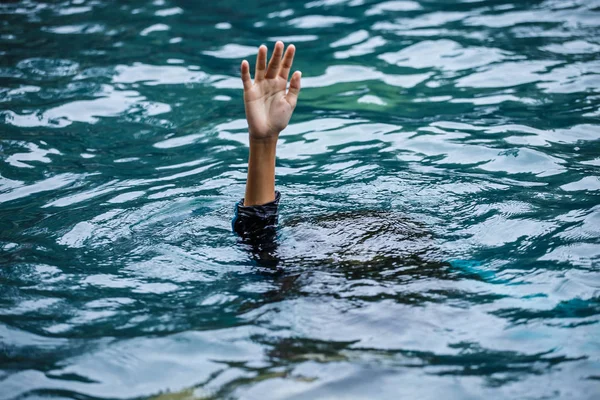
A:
{"x": 263, "y": 140}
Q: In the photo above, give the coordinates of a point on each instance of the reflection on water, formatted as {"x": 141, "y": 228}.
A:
{"x": 440, "y": 221}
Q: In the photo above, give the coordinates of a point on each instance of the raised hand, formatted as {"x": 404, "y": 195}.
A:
{"x": 268, "y": 106}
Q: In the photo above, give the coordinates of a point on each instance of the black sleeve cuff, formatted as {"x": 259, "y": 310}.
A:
{"x": 256, "y": 222}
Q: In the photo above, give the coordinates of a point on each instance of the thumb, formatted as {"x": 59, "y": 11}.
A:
{"x": 292, "y": 94}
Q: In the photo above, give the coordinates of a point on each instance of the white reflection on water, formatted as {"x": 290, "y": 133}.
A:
{"x": 439, "y": 225}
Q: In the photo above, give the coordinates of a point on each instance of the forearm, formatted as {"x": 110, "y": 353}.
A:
{"x": 255, "y": 217}
{"x": 260, "y": 186}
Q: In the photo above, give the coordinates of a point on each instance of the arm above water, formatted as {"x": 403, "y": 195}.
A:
{"x": 268, "y": 111}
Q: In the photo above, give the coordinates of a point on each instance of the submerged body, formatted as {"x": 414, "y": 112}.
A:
{"x": 364, "y": 237}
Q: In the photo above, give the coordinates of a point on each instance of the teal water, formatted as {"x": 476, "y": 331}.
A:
{"x": 440, "y": 219}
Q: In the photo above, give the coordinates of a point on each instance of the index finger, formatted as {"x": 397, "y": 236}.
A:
{"x": 288, "y": 60}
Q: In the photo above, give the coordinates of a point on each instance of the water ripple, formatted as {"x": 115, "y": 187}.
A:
{"x": 439, "y": 224}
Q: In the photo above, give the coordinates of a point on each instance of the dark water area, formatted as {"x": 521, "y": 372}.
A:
{"x": 440, "y": 219}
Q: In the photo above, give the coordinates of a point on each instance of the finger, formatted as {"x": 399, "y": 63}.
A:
{"x": 273, "y": 68}
{"x": 288, "y": 60}
{"x": 261, "y": 63}
{"x": 246, "y": 79}
{"x": 292, "y": 94}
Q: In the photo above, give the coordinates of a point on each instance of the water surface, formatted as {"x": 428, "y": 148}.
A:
{"x": 440, "y": 219}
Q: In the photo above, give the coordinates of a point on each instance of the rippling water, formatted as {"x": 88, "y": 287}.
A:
{"x": 440, "y": 226}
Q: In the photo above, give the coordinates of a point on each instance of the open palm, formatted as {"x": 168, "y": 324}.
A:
{"x": 268, "y": 106}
